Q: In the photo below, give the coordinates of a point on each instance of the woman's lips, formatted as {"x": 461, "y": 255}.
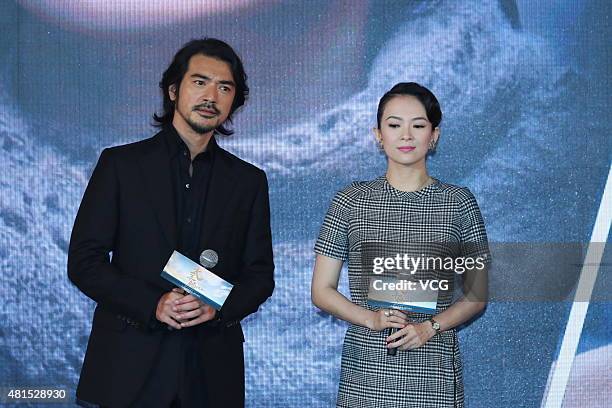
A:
{"x": 406, "y": 148}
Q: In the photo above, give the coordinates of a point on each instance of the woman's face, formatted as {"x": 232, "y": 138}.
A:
{"x": 405, "y": 132}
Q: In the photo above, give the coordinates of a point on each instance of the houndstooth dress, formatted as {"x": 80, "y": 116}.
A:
{"x": 429, "y": 376}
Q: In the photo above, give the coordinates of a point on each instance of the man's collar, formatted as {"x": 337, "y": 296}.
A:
{"x": 176, "y": 144}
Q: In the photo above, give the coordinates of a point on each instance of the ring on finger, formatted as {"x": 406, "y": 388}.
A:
{"x": 387, "y": 313}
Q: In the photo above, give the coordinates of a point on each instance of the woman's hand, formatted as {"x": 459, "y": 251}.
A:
{"x": 385, "y": 318}
{"x": 413, "y": 336}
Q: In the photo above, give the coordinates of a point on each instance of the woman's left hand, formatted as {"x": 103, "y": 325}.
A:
{"x": 414, "y": 335}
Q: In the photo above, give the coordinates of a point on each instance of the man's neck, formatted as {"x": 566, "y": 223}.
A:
{"x": 195, "y": 142}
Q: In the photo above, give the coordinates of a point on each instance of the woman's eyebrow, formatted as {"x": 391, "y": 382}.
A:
{"x": 398, "y": 118}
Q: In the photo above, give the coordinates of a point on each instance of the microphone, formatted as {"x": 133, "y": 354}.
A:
{"x": 391, "y": 351}
{"x": 209, "y": 258}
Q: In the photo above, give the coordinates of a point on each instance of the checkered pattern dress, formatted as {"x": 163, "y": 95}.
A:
{"x": 429, "y": 376}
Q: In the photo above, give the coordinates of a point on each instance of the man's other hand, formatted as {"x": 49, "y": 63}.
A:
{"x": 191, "y": 311}
{"x": 165, "y": 313}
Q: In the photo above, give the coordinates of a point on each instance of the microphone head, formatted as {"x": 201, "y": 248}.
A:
{"x": 209, "y": 258}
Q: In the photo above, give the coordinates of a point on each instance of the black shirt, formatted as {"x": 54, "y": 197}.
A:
{"x": 190, "y": 190}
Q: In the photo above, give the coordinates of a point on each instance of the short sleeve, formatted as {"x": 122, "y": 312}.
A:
{"x": 474, "y": 242}
{"x": 333, "y": 236}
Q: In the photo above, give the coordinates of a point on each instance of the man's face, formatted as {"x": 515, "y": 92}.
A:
{"x": 205, "y": 95}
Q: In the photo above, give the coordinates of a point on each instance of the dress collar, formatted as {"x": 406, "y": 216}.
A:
{"x": 407, "y": 195}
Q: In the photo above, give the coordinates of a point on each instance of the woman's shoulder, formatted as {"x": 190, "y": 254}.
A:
{"x": 359, "y": 189}
{"x": 455, "y": 192}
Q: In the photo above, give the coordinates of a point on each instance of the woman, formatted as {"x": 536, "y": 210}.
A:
{"x": 406, "y": 205}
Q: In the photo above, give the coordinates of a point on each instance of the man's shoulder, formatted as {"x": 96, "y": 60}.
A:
{"x": 240, "y": 165}
{"x": 133, "y": 147}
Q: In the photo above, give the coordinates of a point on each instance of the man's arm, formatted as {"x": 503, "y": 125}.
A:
{"x": 256, "y": 281}
{"x": 93, "y": 238}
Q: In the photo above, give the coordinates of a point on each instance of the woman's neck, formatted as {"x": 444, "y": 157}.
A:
{"x": 406, "y": 178}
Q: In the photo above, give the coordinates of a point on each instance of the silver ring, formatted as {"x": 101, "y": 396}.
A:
{"x": 391, "y": 312}
{"x": 387, "y": 313}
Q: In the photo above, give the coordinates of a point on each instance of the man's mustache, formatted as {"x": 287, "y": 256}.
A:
{"x": 209, "y": 106}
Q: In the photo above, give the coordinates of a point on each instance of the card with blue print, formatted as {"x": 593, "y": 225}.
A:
{"x": 196, "y": 280}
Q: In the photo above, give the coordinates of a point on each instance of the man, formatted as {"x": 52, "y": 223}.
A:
{"x": 151, "y": 345}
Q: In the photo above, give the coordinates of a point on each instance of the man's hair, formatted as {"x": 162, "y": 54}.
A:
{"x": 174, "y": 74}
{"x": 424, "y": 95}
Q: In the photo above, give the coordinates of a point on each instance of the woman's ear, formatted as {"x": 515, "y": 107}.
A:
{"x": 377, "y": 136}
{"x": 436, "y": 135}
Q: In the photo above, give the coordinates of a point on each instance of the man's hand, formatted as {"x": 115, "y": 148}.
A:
{"x": 191, "y": 311}
{"x": 164, "y": 312}
{"x": 178, "y": 310}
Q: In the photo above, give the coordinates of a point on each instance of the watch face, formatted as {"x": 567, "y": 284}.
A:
{"x": 435, "y": 325}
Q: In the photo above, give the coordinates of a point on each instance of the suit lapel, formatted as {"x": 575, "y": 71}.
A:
{"x": 220, "y": 189}
{"x": 156, "y": 172}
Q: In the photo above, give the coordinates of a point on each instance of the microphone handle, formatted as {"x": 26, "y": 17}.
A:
{"x": 391, "y": 351}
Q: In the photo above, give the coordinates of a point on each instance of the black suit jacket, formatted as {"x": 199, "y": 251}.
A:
{"x": 128, "y": 210}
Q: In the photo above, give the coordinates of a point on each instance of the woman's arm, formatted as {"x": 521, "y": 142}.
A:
{"x": 325, "y": 295}
{"x": 473, "y": 301}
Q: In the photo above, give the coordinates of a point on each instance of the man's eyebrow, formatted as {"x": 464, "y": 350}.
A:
{"x": 224, "y": 82}
{"x": 199, "y": 76}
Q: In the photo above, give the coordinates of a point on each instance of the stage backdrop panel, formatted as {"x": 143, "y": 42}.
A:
{"x": 524, "y": 87}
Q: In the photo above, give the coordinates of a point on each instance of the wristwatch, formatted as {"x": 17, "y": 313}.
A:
{"x": 435, "y": 325}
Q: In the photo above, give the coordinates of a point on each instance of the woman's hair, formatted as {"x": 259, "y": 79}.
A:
{"x": 209, "y": 47}
{"x": 424, "y": 95}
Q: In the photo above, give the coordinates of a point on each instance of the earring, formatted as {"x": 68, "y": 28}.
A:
{"x": 379, "y": 143}
{"x": 432, "y": 146}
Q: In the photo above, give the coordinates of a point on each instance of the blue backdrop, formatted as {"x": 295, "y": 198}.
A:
{"x": 525, "y": 90}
